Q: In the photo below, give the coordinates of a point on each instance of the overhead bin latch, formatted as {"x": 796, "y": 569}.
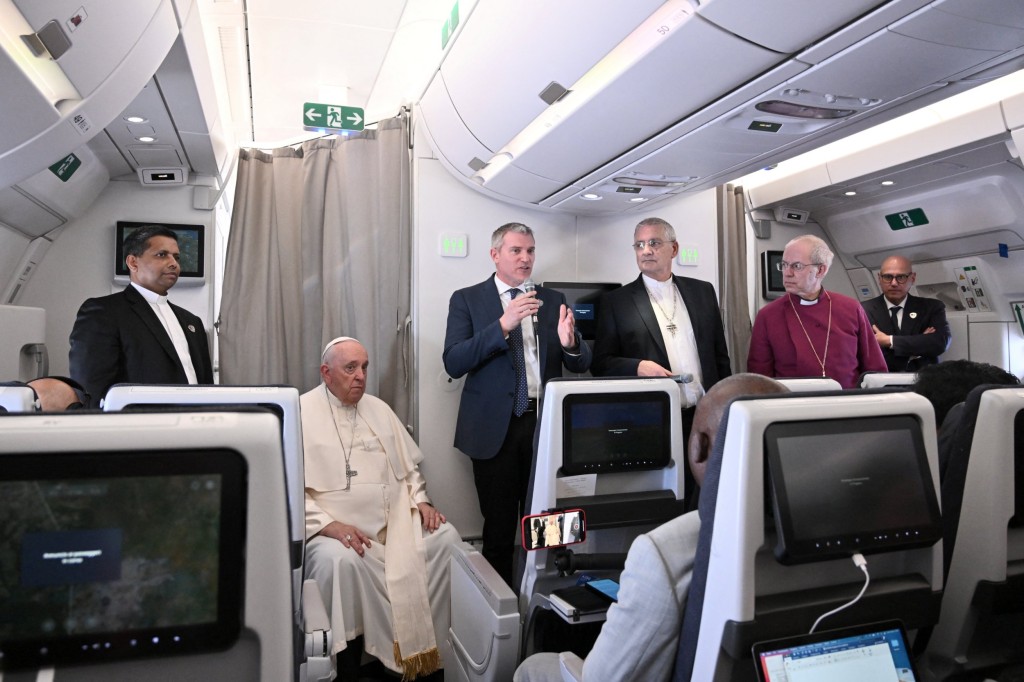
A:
{"x": 50, "y": 41}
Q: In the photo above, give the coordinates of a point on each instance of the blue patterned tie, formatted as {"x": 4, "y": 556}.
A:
{"x": 515, "y": 343}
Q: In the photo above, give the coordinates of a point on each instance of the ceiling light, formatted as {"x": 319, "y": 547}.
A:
{"x": 135, "y": 119}
{"x": 850, "y": 193}
{"x": 146, "y": 138}
{"x": 590, "y": 196}
{"x": 887, "y": 183}
{"x": 638, "y": 199}
{"x": 783, "y": 108}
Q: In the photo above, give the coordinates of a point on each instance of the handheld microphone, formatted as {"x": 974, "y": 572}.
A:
{"x": 529, "y": 286}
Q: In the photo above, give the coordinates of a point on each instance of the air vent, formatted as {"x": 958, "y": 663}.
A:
{"x": 162, "y": 177}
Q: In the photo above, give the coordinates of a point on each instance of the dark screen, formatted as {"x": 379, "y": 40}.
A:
{"x": 850, "y": 485}
{"x": 616, "y": 432}
{"x": 583, "y": 298}
{"x": 771, "y": 276}
{"x": 106, "y": 556}
{"x": 1017, "y": 520}
{"x": 190, "y": 244}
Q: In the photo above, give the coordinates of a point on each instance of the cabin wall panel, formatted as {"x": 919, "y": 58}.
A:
{"x": 12, "y": 245}
{"x": 569, "y": 247}
{"x": 80, "y": 264}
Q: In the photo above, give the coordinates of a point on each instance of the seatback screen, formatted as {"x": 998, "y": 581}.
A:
{"x": 117, "y": 555}
{"x": 841, "y": 486}
{"x": 606, "y": 432}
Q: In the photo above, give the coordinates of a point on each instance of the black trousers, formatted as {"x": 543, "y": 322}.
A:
{"x": 501, "y": 484}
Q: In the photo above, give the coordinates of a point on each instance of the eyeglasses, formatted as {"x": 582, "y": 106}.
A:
{"x": 655, "y": 244}
{"x": 782, "y": 266}
{"x": 899, "y": 278}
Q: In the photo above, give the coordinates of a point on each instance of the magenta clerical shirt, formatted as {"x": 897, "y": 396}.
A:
{"x": 780, "y": 348}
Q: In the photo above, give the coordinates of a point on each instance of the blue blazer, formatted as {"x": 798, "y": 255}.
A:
{"x": 119, "y": 339}
{"x": 912, "y": 349}
{"x": 474, "y": 345}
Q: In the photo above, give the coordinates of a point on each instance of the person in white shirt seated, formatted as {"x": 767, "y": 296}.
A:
{"x": 638, "y": 641}
{"x": 376, "y": 546}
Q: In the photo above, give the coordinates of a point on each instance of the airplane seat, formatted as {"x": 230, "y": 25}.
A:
{"x": 484, "y": 632}
{"x": 18, "y": 398}
{"x": 144, "y": 546}
{"x": 787, "y": 499}
{"x": 883, "y": 379}
{"x": 613, "y": 448}
{"x": 982, "y": 624}
{"x": 804, "y": 384}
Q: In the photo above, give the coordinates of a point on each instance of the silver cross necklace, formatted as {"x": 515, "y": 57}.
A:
{"x": 671, "y": 319}
{"x": 349, "y": 473}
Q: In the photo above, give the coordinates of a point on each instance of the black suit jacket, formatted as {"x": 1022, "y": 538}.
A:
{"x": 119, "y": 339}
{"x": 475, "y": 345}
{"x": 912, "y": 349}
{"x": 628, "y": 331}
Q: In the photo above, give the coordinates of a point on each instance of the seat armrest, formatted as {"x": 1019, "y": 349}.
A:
{"x": 314, "y": 613}
{"x": 571, "y": 666}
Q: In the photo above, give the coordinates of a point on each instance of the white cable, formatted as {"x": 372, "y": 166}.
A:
{"x": 861, "y": 563}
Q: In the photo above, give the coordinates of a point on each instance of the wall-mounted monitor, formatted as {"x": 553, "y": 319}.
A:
{"x": 191, "y": 243}
{"x": 583, "y": 298}
{"x": 771, "y": 276}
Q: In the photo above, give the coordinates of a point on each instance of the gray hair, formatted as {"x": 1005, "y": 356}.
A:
{"x": 498, "y": 237}
{"x": 666, "y": 228}
{"x": 820, "y": 253}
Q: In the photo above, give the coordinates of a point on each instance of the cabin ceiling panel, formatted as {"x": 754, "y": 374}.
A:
{"x": 784, "y": 25}
{"x": 519, "y": 47}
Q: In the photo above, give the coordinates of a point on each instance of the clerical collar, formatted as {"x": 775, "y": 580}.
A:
{"x": 804, "y": 301}
{"x": 652, "y": 283}
{"x": 336, "y": 402}
{"x": 150, "y": 296}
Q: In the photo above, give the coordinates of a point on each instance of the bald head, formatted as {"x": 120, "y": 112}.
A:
{"x": 54, "y": 394}
{"x": 895, "y": 268}
{"x": 711, "y": 409}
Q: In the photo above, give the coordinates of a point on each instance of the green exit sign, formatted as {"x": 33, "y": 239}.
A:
{"x": 904, "y": 219}
{"x": 450, "y": 24}
{"x": 66, "y": 167}
{"x": 331, "y": 116}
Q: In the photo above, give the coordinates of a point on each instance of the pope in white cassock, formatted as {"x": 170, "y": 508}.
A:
{"x": 377, "y": 548}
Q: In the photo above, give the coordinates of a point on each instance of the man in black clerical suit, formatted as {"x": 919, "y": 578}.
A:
{"x": 661, "y": 324}
{"x": 921, "y": 333}
{"x": 137, "y": 336}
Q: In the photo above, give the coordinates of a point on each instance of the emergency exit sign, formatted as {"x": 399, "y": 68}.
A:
{"x": 66, "y": 167}
{"x": 904, "y": 219}
{"x": 331, "y": 116}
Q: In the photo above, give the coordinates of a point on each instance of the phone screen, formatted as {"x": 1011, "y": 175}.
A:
{"x": 554, "y": 529}
{"x": 607, "y": 587}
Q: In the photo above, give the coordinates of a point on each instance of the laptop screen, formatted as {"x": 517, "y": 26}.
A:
{"x": 856, "y": 654}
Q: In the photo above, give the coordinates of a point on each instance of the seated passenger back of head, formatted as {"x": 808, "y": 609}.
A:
{"x": 639, "y": 638}
{"x": 983, "y": 540}
{"x": 847, "y": 474}
{"x": 946, "y": 385}
{"x": 49, "y": 394}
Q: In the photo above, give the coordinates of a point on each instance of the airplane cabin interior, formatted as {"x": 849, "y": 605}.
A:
{"x": 333, "y": 171}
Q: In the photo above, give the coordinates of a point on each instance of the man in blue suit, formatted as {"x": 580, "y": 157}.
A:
{"x": 137, "y": 335}
{"x": 509, "y": 339}
{"x": 911, "y": 330}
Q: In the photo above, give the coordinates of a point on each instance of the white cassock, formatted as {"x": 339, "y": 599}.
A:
{"x": 397, "y": 594}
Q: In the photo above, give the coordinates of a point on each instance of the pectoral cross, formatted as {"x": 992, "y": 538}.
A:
{"x": 348, "y": 476}
{"x": 671, "y": 326}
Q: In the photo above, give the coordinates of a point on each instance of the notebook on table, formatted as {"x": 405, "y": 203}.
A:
{"x": 862, "y": 653}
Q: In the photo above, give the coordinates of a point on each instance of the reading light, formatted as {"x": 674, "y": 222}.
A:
{"x": 135, "y": 119}
{"x": 146, "y": 138}
{"x": 887, "y": 183}
{"x": 638, "y": 199}
{"x": 850, "y": 193}
{"x": 590, "y": 196}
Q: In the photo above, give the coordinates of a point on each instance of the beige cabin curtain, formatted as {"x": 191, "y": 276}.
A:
{"x": 320, "y": 247}
{"x": 732, "y": 274}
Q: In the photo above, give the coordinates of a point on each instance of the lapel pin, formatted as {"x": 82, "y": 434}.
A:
{"x": 913, "y": 315}
{"x": 192, "y": 328}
